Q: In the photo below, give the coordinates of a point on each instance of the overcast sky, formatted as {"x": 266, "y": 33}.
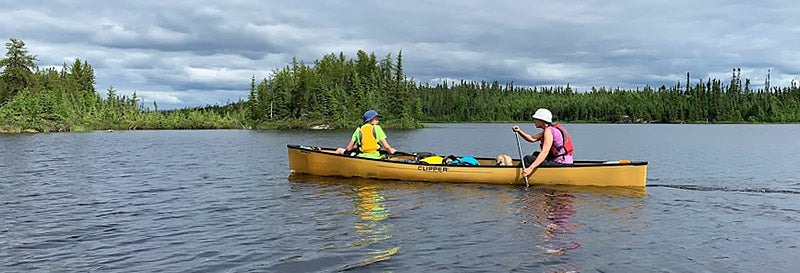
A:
{"x": 187, "y": 53}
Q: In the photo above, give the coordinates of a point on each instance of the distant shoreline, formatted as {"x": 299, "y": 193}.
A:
{"x": 13, "y": 130}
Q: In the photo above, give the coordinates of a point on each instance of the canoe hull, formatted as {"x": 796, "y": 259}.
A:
{"x": 303, "y": 160}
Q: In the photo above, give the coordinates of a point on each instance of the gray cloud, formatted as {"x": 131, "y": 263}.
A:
{"x": 196, "y": 53}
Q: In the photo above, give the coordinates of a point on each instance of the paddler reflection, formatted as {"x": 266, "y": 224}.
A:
{"x": 371, "y": 210}
{"x": 553, "y": 210}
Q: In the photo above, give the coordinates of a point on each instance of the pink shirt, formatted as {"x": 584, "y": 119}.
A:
{"x": 558, "y": 141}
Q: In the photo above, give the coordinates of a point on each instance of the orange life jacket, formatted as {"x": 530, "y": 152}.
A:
{"x": 566, "y": 149}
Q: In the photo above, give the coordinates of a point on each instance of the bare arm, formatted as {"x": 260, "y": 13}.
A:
{"x": 386, "y": 146}
{"x": 527, "y": 137}
{"x": 546, "y": 144}
{"x": 350, "y": 146}
{"x": 537, "y": 137}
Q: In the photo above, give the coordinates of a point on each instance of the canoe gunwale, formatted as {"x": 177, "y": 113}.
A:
{"x": 583, "y": 163}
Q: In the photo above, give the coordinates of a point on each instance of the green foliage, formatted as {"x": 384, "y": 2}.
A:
{"x": 54, "y": 100}
{"x": 18, "y": 69}
{"x": 710, "y": 102}
{"x": 335, "y": 91}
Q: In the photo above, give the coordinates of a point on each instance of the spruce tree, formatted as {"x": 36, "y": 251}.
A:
{"x": 18, "y": 69}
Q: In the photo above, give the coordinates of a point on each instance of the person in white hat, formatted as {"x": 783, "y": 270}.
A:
{"x": 553, "y": 139}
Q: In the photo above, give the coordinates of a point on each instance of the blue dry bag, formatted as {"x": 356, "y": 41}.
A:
{"x": 467, "y": 160}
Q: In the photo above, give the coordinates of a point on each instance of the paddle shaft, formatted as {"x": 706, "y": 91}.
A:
{"x": 521, "y": 160}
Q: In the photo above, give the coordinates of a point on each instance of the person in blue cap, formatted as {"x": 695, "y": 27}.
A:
{"x": 368, "y": 138}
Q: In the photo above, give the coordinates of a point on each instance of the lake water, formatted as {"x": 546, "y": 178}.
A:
{"x": 720, "y": 198}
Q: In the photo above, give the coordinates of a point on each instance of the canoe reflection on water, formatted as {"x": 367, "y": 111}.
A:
{"x": 372, "y": 235}
{"x": 400, "y": 184}
{"x": 552, "y": 210}
{"x": 558, "y": 228}
{"x": 546, "y": 215}
{"x": 371, "y": 209}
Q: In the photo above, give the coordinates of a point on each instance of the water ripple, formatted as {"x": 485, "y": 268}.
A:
{"x": 727, "y": 189}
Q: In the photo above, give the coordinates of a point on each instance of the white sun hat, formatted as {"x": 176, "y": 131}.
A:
{"x": 543, "y": 115}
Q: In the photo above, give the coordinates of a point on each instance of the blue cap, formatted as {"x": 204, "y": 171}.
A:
{"x": 370, "y": 114}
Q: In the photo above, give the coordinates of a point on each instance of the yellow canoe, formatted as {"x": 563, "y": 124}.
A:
{"x": 326, "y": 162}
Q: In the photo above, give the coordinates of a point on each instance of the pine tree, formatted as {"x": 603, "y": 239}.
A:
{"x": 18, "y": 69}
{"x": 82, "y": 76}
{"x": 253, "y": 106}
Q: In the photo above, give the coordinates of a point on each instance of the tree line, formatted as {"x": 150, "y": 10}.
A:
{"x": 705, "y": 101}
{"x": 334, "y": 91}
{"x": 65, "y": 99}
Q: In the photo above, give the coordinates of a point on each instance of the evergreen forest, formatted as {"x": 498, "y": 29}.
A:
{"x": 334, "y": 91}
{"x": 65, "y": 100}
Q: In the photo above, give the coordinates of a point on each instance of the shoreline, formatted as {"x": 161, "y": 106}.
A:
{"x": 5, "y": 130}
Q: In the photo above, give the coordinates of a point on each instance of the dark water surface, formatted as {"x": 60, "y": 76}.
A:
{"x": 721, "y": 198}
